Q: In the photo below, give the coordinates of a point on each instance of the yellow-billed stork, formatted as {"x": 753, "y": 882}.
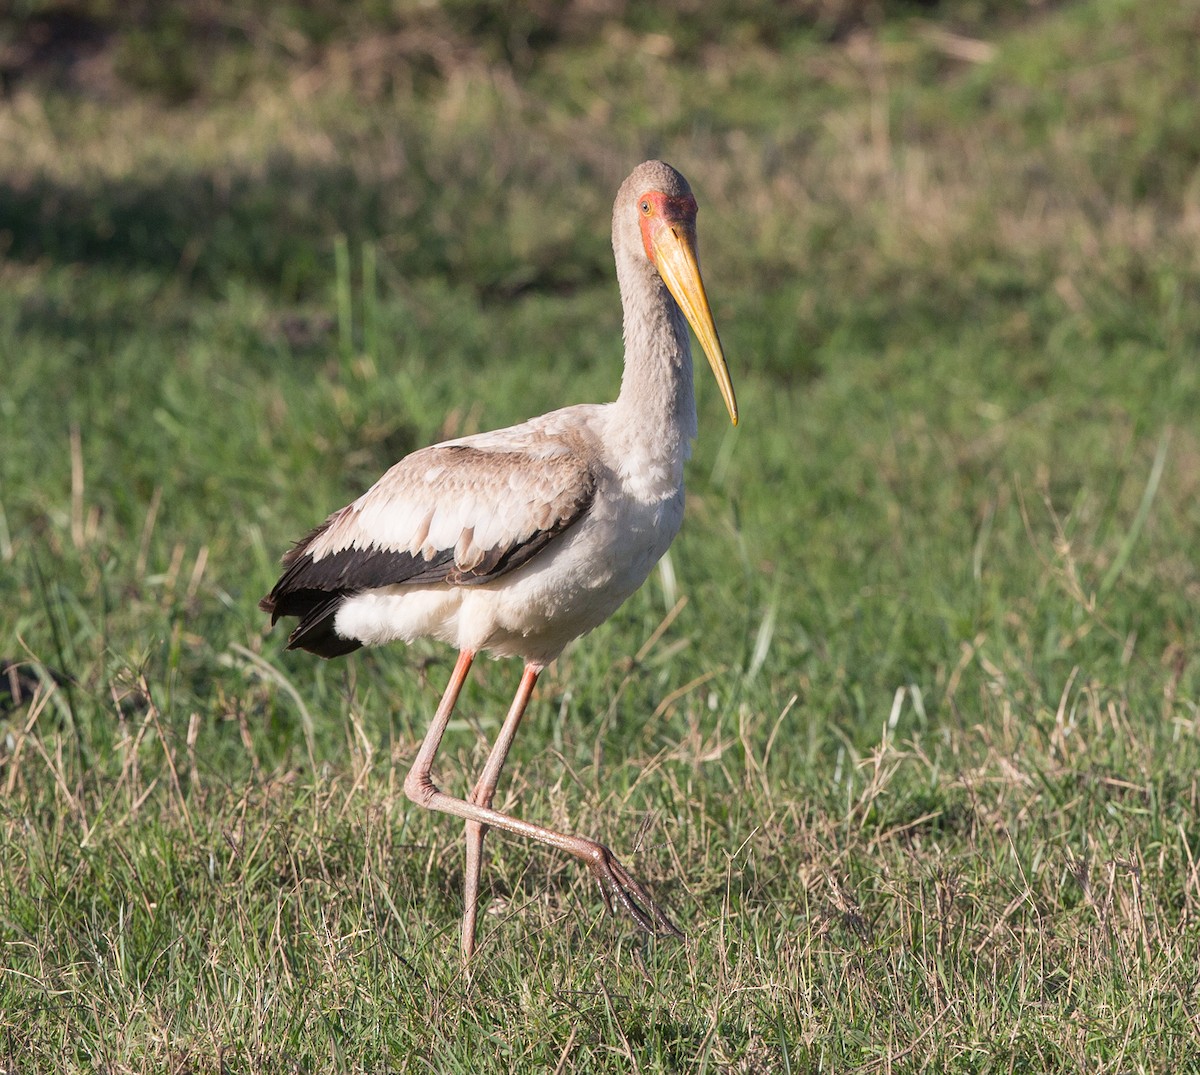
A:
{"x": 518, "y": 541}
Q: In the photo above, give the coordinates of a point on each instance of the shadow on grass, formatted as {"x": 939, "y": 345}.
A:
{"x": 277, "y": 227}
{"x": 205, "y": 228}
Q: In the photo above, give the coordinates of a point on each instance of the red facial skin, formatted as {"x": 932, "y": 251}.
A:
{"x": 657, "y": 210}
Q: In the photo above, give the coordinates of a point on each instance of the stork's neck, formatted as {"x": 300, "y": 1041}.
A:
{"x": 655, "y": 414}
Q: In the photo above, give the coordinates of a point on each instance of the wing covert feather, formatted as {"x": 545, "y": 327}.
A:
{"x": 453, "y": 513}
{"x": 464, "y": 498}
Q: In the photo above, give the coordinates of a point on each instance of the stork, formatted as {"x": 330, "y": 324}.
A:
{"x": 518, "y": 541}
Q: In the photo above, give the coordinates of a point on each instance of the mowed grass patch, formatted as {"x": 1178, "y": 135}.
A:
{"x": 903, "y": 734}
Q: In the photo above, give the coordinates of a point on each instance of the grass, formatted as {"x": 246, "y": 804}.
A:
{"x": 905, "y": 737}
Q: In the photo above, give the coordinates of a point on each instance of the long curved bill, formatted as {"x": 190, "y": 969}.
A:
{"x": 675, "y": 256}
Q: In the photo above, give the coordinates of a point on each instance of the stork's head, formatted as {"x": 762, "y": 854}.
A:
{"x": 655, "y": 217}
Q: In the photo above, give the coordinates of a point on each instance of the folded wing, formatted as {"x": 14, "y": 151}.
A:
{"x": 454, "y": 515}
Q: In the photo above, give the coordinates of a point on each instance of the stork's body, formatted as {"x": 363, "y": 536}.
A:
{"x": 547, "y": 475}
{"x": 517, "y": 541}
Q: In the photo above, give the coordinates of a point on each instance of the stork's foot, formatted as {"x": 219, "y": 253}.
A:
{"x": 630, "y": 893}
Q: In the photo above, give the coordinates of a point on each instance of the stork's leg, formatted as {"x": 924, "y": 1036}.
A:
{"x": 433, "y": 738}
{"x": 419, "y": 773}
{"x": 482, "y": 794}
{"x": 613, "y": 878}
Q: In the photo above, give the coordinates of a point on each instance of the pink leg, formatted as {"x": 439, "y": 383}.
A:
{"x": 482, "y": 794}
{"x": 613, "y": 878}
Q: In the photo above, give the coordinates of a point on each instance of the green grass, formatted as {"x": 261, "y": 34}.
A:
{"x": 914, "y": 764}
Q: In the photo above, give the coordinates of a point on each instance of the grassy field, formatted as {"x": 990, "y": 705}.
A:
{"x": 906, "y": 735}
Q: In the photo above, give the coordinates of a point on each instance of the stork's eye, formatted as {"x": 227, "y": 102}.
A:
{"x": 646, "y": 207}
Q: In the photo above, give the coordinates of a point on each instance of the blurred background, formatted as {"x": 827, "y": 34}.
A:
{"x": 253, "y": 252}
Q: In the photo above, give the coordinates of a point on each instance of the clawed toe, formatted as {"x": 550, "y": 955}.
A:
{"x": 615, "y": 880}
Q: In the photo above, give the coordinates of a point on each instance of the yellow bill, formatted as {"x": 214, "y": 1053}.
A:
{"x": 675, "y": 256}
